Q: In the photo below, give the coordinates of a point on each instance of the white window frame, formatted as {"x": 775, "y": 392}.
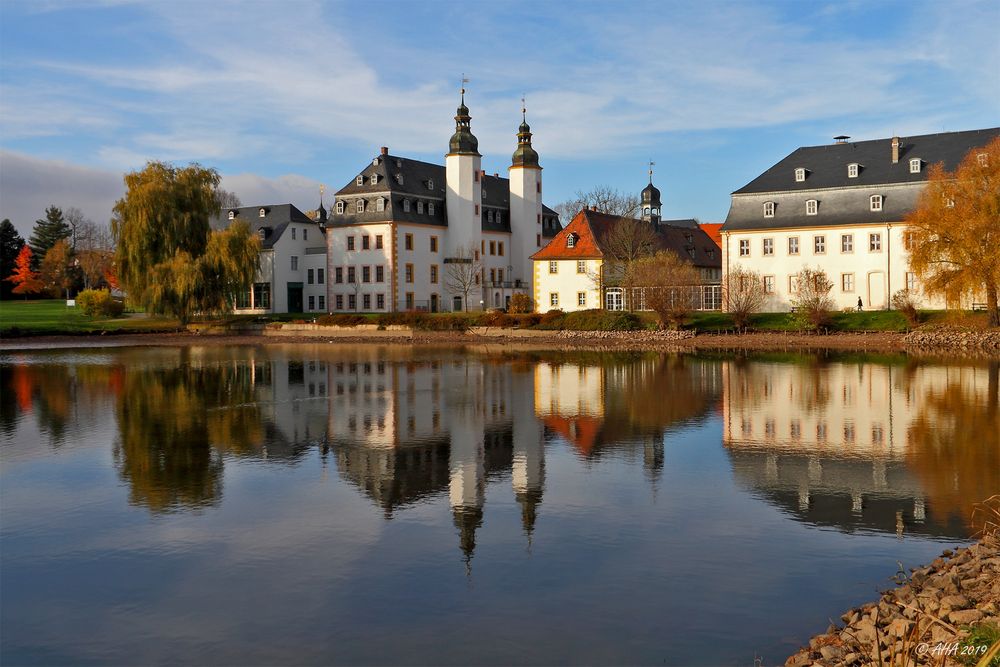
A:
{"x": 374, "y": 179}
{"x": 847, "y": 243}
{"x": 430, "y": 208}
{"x": 261, "y": 213}
{"x": 911, "y": 281}
{"x": 232, "y": 215}
{"x": 812, "y": 207}
{"x": 767, "y": 247}
{"x": 875, "y": 242}
{"x": 554, "y": 299}
{"x": 581, "y": 266}
{"x": 380, "y": 204}
{"x": 793, "y": 240}
{"x": 875, "y": 202}
{"x": 769, "y": 284}
{"x": 819, "y": 244}
{"x": 430, "y": 183}
{"x": 853, "y": 169}
{"x": 571, "y": 240}
{"x": 581, "y": 299}
{"x": 420, "y": 207}
{"x": 769, "y": 209}
{"x": 360, "y": 206}
{"x": 744, "y": 247}
{"x": 340, "y": 207}
{"x": 406, "y": 206}
{"x": 800, "y": 174}
{"x": 847, "y": 282}
{"x": 915, "y": 165}
{"x": 360, "y": 180}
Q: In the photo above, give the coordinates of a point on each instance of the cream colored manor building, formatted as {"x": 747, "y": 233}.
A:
{"x": 839, "y": 208}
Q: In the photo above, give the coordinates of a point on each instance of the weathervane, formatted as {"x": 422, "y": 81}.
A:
{"x": 322, "y": 189}
{"x": 464, "y": 81}
{"x": 651, "y": 165}
{"x": 524, "y": 109}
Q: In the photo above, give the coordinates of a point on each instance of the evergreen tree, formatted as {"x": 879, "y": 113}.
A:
{"x": 47, "y": 231}
{"x": 10, "y": 245}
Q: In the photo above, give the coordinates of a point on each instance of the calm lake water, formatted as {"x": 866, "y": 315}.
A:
{"x": 382, "y": 505}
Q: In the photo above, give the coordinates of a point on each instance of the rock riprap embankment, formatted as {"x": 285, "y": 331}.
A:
{"x": 928, "y": 615}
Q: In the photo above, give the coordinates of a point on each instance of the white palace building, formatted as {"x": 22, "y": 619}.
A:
{"x": 840, "y": 208}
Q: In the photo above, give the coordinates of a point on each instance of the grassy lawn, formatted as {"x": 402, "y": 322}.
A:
{"x": 51, "y": 317}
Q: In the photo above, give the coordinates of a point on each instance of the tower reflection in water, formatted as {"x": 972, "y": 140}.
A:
{"x": 889, "y": 445}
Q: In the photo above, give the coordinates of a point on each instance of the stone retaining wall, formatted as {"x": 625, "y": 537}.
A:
{"x": 946, "y": 338}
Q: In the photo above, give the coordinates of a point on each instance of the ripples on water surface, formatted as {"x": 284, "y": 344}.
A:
{"x": 319, "y": 504}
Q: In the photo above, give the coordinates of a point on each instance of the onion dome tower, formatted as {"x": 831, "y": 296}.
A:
{"x": 650, "y": 200}
{"x": 463, "y": 142}
{"x": 525, "y": 155}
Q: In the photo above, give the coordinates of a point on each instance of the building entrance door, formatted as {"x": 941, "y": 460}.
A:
{"x": 876, "y": 291}
{"x": 295, "y": 297}
{"x": 456, "y": 304}
{"x": 434, "y": 303}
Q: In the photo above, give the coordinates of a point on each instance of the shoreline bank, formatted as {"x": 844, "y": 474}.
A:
{"x": 926, "y": 344}
{"x": 936, "y": 615}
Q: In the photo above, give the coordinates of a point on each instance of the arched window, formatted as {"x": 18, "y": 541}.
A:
{"x": 812, "y": 207}
{"x": 420, "y": 207}
{"x": 262, "y": 213}
{"x": 232, "y": 215}
{"x": 571, "y": 241}
{"x": 361, "y": 206}
{"x": 876, "y": 202}
{"x": 769, "y": 209}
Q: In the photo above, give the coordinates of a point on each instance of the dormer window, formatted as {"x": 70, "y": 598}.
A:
{"x": 812, "y": 207}
{"x": 489, "y": 216}
{"x": 915, "y": 165}
{"x": 800, "y": 175}
{"x": 361, "y": 206}
{"x": 769, "y": 209}
{"x": 399, "y": 179}
{"x": 340, "y": 207}
{"x": 374, "y": 179}
{"x": 376, "y": 161}
{"x": 876, "y": 202}
{"x": 232, "y": 215}
{"x": 983, "y": 160}
{"x": 261, "y": 213}
{"x": 571, "y": 241}
{"x": 949, "y": 202}
{"x": 380, "y": 204}
{"x": 420, "y": 207}
{"x": 430, "y": 183}
{"x": 361, "y": 180}
{"x": 430, "y": 208}
{"x": 852, "y": 170}
{"x": 499, "y": 217}
{"x": 406, "y": 205}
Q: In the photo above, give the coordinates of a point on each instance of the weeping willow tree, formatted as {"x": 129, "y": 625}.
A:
{"x": 168, "y": 260}
{"x": 954, "y": 233}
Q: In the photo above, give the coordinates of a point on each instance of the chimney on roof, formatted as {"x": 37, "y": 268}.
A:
{"x": 385, "y": 150}
{"x": 482, "y": 173}
{"x": 895, "y": 150}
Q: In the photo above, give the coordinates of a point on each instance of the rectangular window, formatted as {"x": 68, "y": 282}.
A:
{"x": 793, "y": 284}
{"x": 769, "y": 209}
{"x": 852, "y": 171}
{"x": 409, "y": 300}
{"x": 293, "y": 233}
{"x": 538, "y": 240}
{"x": 744, "y": 247}
{"x": 812, "y": 207}
{"x": 312, "y": 302}
{"x": 322, "y": 302}
{"x": 581, "y": 299}
{"x": 819, "y": 245}
{"x": 351, "y": 275}
{"x": 366, "y": 301}
{"x": 769, "y": 284}
{"x": 380, "y": 301}
{"x": 793, "y": 245}
{"x": 338, "y": 275}
{"x": 768, "y": 247}
{"x": 319, "y": 276}
{"x": 430, "y": 208}
{"x": 875, "y": 242}
{"x": 305, "y": 234}
{"x": 911, "y": 281}
{"x": 434, "y": 274}
{"x": 340, "y": 301}
{"x": 499, "y": 275}
{"x": 553, "y": 267}
{"x": 477, "y": 210}
{"x": 500, "y": 248}
{"x": 309, "y": 276}
{"x": 380, "y": 274}
{"x": 262, "y": 295}
{"x": 493, "y": 247}
{"x": 352, "y": 302}
{"x": 365, "y": 242}
{"x": 554, "y": 299}
{"x": 350, "y": 243}
{"x": 366, "y": 274}
{"x": 847, "y": 243}
{"x": 243, "y": 298}
{"x": 408, "y": 242}
{"x": 847, "y": 282}
{"x": 493, "y": 275}
{"x": 408, "y": 273}
{"x": 378, "y": 241}
{"x": 434, "y": 244}
{"x": 581, "y": 266}
{"x": 876, "y": 202}
{"x": 295, "y": 263}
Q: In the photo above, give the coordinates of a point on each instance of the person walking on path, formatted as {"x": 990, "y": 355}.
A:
{"x": 861, "y": 306}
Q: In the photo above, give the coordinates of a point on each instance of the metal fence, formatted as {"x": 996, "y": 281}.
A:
{"x": 700, "y": 297}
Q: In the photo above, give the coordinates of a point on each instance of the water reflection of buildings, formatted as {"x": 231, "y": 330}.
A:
{"x": 863, "y": 445}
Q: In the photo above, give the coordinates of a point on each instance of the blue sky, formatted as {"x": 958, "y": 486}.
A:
{"x": 282, "y": 96}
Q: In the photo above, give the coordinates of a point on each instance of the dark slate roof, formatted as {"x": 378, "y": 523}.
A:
{"x": 276, "y": 218}
{"x": 402, "y": 178}
{"x": 826, "y": 166}
{"x": 843, "y": 200}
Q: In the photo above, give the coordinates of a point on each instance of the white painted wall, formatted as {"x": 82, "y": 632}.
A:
{"x": 525, "y": 220}
{"x": 568, "y": 283}
{"x": 463, "y": 197}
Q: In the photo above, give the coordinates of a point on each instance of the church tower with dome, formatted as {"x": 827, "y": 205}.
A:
{"x": 650, "y": 201}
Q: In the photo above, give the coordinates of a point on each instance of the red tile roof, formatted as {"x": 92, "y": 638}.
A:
{"x": 714, "y": 231}
{"x": 591, "y": 227}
